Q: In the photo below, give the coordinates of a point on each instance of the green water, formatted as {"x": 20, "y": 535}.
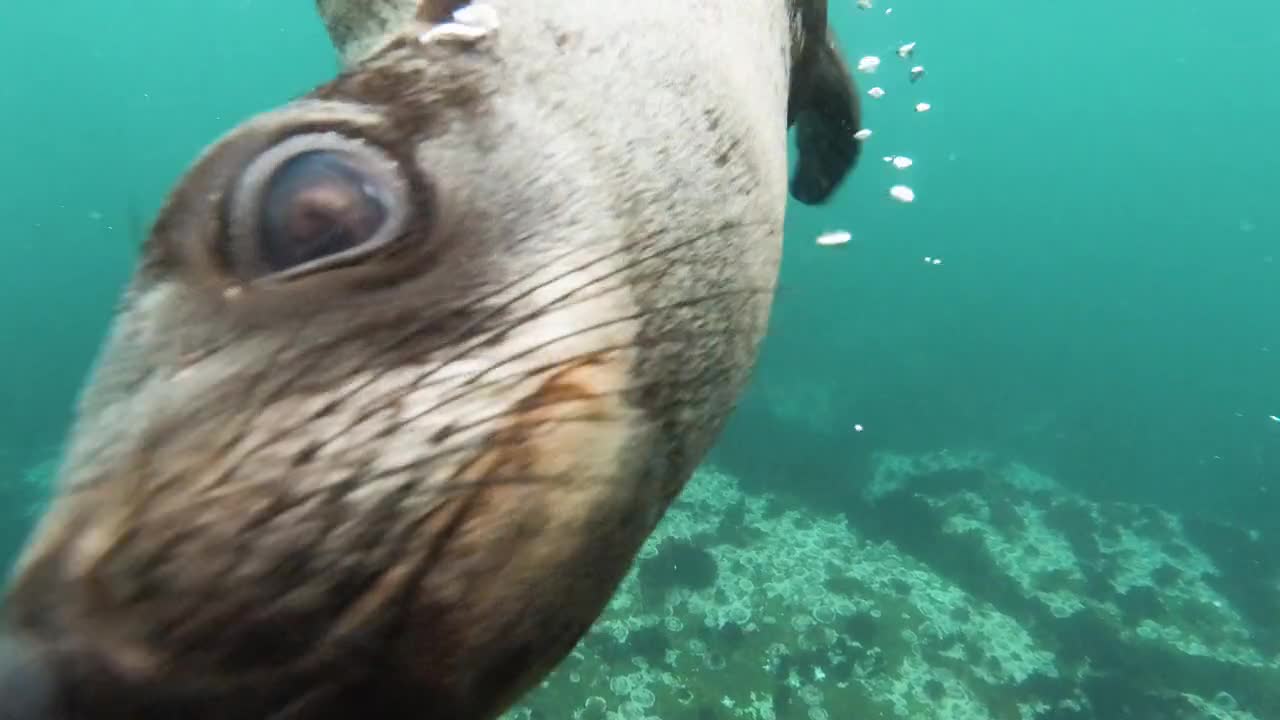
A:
{"x": 107, "y": 104}
{"x": 1098, "y": 180}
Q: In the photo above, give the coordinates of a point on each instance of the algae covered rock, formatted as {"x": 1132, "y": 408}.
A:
{"x": 962, "y": 587}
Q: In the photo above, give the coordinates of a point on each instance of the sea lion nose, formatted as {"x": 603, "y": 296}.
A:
{"x": 27, "y": 685}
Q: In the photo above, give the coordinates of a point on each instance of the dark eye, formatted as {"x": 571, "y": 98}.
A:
{"x": 313, "y": 203}
{"x": 317, "y": 204}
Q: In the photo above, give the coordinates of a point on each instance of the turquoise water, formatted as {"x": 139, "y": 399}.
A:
{"x": 1094, "y": 177}
{"x": 1097, "y": 180}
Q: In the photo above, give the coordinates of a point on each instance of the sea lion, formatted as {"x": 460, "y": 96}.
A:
{"x": 411, "y": 366}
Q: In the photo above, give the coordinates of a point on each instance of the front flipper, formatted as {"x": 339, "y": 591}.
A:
{"x": 823, "y": 107}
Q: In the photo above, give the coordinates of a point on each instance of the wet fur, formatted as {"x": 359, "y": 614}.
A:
{"x": 407, "y": 488}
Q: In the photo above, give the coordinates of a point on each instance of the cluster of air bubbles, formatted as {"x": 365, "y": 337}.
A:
{"x": 868, "y": 4}
{"x": 870, "y": 65}
{"x": 902, "y": 193}
{"x": 835, "y": 237}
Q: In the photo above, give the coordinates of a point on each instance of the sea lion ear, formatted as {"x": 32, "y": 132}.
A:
{"x": 357, "y": 27}
{"x": 823, "y": 108}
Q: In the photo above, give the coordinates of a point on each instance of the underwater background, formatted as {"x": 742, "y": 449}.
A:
{"x": 1035, "y": 475}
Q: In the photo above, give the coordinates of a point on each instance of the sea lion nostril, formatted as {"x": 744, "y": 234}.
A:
{"x": 317, "y": 204}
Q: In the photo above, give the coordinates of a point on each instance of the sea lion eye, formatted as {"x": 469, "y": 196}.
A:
{"x": 313, "y": 203}
{"x": 317, "y": 204}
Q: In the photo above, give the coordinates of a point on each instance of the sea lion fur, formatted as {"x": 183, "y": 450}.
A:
{"x": 401, "y": 478}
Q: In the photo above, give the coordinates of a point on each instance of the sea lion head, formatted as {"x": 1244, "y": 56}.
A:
{"x": 411, "y": 366}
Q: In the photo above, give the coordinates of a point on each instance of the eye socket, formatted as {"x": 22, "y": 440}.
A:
{"x": 312, "y": 203}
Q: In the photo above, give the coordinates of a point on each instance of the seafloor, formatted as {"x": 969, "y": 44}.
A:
{"x": 965, "y": 587}
{"x": 960, "y": 586}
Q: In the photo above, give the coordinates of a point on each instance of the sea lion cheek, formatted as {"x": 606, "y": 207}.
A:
{"x": 575, "y": 423}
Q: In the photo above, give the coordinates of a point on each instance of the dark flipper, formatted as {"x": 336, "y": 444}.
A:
{"x": 823, "y": 107}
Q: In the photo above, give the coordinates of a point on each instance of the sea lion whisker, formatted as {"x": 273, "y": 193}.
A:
{"x": 467, "y": 332}
{"x": 480, "y": 341}
{"x": 546, "y": 423}
{"x": 446, "y": 485}
{"x": 343, "y": 606}
{"x": 347, "y": 615}
{"x": 265, "y": 370}
{"x": 618, "y": 271}
{"x": 450, "y": 485}
{"x": 509, "y": 439}
{"x": 674, "y": 337}
{"x": 494, "y": 312}
{"x": 415, "y": 330}
{"x": 640, "y": 315}
{"x": 318, "y": 359}
{"x": 474, "y": 382}
{"x": 351, "y": 627}
{"x": 158, "y": 435}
